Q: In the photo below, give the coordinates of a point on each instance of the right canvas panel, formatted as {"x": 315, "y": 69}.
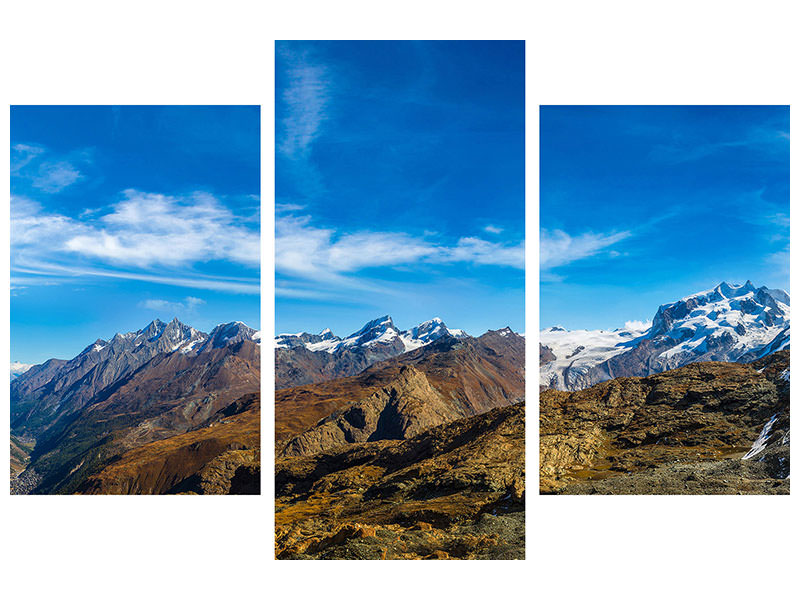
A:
{"x": 664, "y": 304}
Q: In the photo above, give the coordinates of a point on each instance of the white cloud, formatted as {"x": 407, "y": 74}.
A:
{"x": 288, "y": 207}
{"x": 22, "y": 155}
{"x": 305, "y": 251}
{"x": 144, "y": 231}
{"x": 152, "y": 229}
{"x": 55, "y": 176}
{"x": 764, "y": 141}
{"x": 493, "y": 229}
{"x": 33, "y": 228}
{"x": 188, "y": 305}
{"x": 223, "y": 284}
{"x": 558, "y": 248}
{"x": 778, "y": 262}
{"x": 306, "y": 98}
{"x": 45, "y": 172}
{"x": 18, "y": 368}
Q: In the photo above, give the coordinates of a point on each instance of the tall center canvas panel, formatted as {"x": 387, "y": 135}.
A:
{"x": 399, "y": 257}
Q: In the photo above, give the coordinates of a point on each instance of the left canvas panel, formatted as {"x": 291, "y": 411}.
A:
{"x": 135, "y": 307}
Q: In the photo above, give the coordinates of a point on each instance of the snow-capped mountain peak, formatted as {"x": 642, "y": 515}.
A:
{"x": 728, "y": 322}
{"x": 174, "y": 336}
{"x": 226, "y": 334}
{"x": 380, "y": 330}
{"x": 377, "y": 333}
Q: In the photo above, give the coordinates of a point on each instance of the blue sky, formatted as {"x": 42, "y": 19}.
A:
{"x": 644, "y": 205}
{"x": 399, "y": 184}
{"x": 120, "y": 215}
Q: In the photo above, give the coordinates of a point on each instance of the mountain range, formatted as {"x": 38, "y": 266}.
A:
{"x": 731, "y": 323}
{"x": 378, "y": 332}
{"x": 81, "y": 415}
{"x": 312, "y": 358}
{"x": 397, "y": 398}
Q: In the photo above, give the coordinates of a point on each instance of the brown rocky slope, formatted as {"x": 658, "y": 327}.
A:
{"x": 223, "y": 457}
{"x": 683, "y": 431}
{"x": 171, "y": 394}
{"x": 453, "y": 491}
{"x": 395, "y": 399}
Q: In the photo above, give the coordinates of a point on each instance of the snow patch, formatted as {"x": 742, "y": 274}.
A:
{"x": 761, "y": 442}
{"x": 18, "y": 368}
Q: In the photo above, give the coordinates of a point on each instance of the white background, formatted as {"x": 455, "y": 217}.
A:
{"x": 221, "y": 52}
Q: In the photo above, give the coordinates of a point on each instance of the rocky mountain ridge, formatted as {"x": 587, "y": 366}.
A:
{"x": 380, "y": 332}
{"x": 135, "y": 389}
{"x": 417, "y": 455}
{"x": 400, "y": 397}
{"x": 58, "y": 388}
{"x": 305, "y": 358}
{"x": 727, "y": 323}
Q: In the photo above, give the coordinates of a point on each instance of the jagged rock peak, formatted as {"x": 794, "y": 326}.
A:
{"x": 381, "y": 323}
{"x": 229, "y": 333}
{"x": 729, "y": 322}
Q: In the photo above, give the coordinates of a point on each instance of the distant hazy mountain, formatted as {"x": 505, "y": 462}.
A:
{"x": 732, "y": 323}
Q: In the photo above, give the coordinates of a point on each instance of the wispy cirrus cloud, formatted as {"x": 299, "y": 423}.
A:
{"x": 307, "y": 252}
{"x": 764, "y": 141}
{"x": 493, "y": 229}
{"x": 153, "y": 229}
{"x": 558, "y": 248}
{"x": 778, "y": 262}
{"x": 51, "y": 273}
{"x": 45, "y": 171}
{"x": 754, "y": 208}
{"x": 305, "y": 100}
{"x": 142, "y": 230}
{"x": 286, "y": 207}
{"x": 187, "y": 305}
{"x": 137, "y": 238}
{"x": 22, "y": 155}
{"x": 303, "y": 109}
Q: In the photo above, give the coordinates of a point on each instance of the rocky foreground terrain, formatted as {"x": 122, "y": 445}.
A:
{"x": 454, "y": 491}
{"x": 705, "y": 428}
{"x": 419, "y": 456}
